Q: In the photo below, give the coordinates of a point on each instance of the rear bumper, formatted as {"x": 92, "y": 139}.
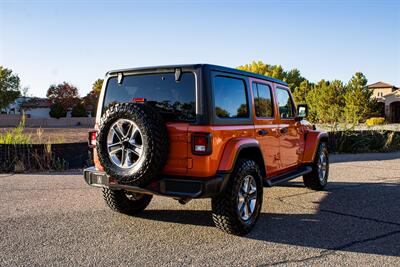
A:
{"x": 179, "y": 187}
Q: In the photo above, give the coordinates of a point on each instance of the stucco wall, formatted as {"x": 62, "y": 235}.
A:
{"x": 395, "y": 97}
{"x": 385, "y": 91}
{"x": 38, "y": 112}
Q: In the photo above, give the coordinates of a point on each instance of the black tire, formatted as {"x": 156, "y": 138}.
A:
{"x": 317, "y": 179}
{"x": 225, "y": 212}
{"x": 154, "y": 138}
{"x": 126, "y": 202}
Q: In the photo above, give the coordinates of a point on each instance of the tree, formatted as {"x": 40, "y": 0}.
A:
{"x": 90, "y": 102}
{"x": 97, "y": 85}
{"x": 292, "y": 77}
{"x": 64, "y": 94}
{"x": 242, "y": 111}
{"x": 222, "y": 113}
{"x": 255, "y": 67}
{"x": 329, "y": 101}
{"x": 326, "y": 101}
{"x": 57, "y": 111}
{"x": 91, "y": 99}
{"x": 357, "y": 99}
{"x": 9, "y": 87}
{"x": 377, "y": 108}
{"x": 79, "y": 111}
{"x": 24, "y": 91}
{"x": 300, "y": 92}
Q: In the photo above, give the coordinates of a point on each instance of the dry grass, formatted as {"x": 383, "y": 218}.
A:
{"x": 54, "y": 135}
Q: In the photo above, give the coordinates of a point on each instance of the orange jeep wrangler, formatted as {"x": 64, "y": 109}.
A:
{"x": 198, "y": 131}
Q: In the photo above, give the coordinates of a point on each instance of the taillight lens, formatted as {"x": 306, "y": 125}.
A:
{"x": 92, "y": 138}
{"x": 201, "y": 143}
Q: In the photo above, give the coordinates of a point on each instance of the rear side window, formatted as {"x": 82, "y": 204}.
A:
{"x": 230, "y": 98}
{"x": 262, "y": 100}
{"x": 285, "y": 103}
{"x": 175, "y": 100}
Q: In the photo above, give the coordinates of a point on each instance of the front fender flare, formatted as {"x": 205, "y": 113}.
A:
{"x": 313, "y": 138}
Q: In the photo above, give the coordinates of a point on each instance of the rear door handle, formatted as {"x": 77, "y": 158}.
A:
{"x": 262, "y": 132}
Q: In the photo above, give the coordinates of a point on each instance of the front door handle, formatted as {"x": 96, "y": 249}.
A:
{"x": 262, "y": 132}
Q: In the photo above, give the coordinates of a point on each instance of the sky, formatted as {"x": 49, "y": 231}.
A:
{"x": 48, "y": 42}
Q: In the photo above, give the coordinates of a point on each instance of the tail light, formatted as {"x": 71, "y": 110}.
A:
{"x": 201, "y": 143}
{"x": 92, "y": 138}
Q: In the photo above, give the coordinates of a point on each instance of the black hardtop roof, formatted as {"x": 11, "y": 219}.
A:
{"x": 210, "y": 66}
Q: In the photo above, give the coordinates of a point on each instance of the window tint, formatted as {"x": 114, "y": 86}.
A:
{"x": 230, "y": 98}
{"x": 175, "y": 100}
{"x": 285, "y": 103}
{"x": 262, "y": 100}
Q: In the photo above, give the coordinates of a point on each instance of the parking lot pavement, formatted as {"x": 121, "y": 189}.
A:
{"x": 56, "y": 219}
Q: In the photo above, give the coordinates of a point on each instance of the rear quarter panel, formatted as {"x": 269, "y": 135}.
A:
{"x": 207, "y": 166}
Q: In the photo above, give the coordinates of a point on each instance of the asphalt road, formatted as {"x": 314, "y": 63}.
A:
{"x": 56, "y": 219}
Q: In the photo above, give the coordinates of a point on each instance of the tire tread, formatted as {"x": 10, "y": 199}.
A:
{"x": 224, "y": 212}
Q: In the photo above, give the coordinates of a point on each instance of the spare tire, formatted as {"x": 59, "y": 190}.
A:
{"x": 132, "y": 143}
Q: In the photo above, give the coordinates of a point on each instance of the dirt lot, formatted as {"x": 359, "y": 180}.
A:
{"x": 58, "y": 135}
{"x": 58, "y": 220}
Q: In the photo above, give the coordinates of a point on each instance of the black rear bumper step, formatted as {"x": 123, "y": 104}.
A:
{"x": 288, "y": 176}
{"x": 180, "y": 187}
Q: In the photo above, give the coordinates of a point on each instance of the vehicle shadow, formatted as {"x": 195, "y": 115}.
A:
{"x": 356, "y": 217}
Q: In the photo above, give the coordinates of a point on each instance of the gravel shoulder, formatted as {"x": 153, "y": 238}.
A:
{"x": 56, "y": 219}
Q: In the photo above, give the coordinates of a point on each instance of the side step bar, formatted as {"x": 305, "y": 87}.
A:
{"x": 287, "y": 176}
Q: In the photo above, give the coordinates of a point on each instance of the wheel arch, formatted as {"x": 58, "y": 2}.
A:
{"x": 313, "y": 139}
{"x": 241, "y": 148}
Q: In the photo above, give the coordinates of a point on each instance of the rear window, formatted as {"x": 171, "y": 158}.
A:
{"x": 175, "y": 100}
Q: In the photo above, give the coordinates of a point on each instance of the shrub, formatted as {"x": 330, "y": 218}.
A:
{"x": 16, "y": 135}
{"x": 364, "y": 141}
{"x": 57, "y": 111}
{"x": 375, "y": 121}
{"x": 79, "y": 111}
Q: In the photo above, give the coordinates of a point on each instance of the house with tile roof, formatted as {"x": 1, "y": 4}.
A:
{"x": 390, "y": 95}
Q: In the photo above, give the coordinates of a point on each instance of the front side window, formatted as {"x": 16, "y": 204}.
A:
{"x": 286, "y": 107}
{"x": 262, "y": 100}
{"x": 175, "y": 100}
{"x": 230, "y": 98}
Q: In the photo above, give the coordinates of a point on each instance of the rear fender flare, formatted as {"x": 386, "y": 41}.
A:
{"x": 232, "y": 151}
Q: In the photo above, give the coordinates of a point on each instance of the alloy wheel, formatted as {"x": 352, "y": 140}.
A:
{"x": 125, "y": 143}
{"x": 247, "y": 198}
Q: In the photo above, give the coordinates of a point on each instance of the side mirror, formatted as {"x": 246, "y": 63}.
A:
{"x": 302, "y": 112}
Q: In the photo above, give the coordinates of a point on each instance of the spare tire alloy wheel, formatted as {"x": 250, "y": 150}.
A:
{"x": 132, "y": 143}
{"x": 125, "y": 143}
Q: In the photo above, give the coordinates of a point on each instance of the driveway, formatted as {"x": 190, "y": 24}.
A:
{"x": 56, "y": 219}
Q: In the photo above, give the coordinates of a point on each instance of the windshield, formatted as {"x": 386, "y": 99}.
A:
{"x": 175, "y": 100}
